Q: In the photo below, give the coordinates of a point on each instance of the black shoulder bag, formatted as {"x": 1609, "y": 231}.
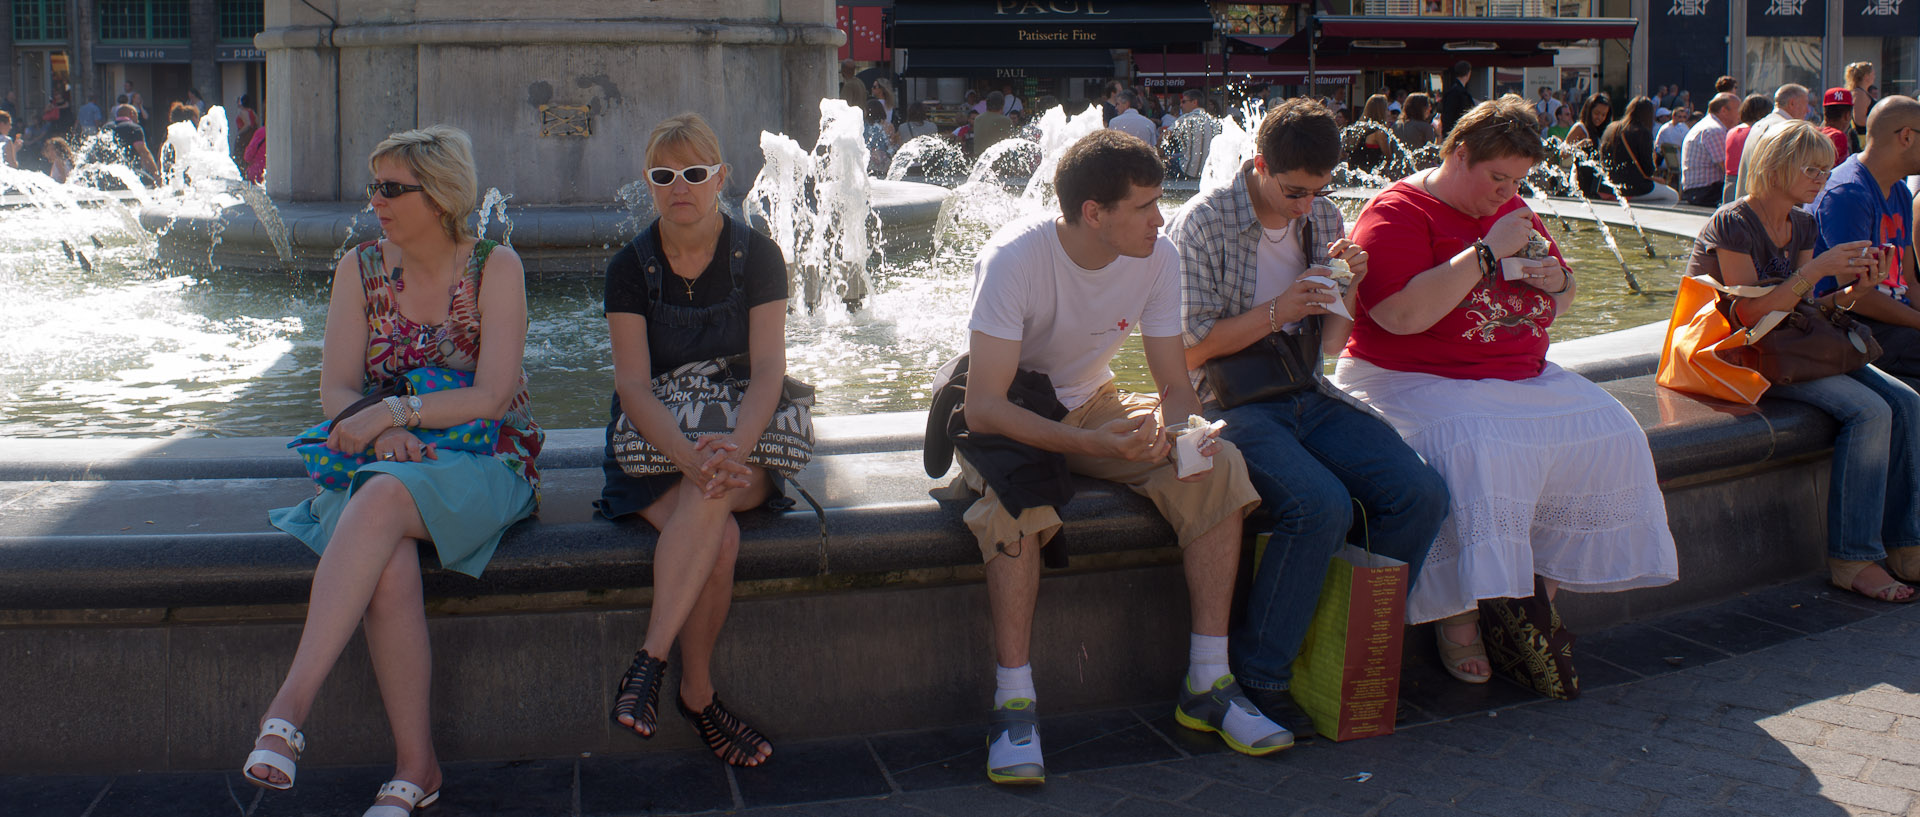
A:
{"x": 1272, "y": 367}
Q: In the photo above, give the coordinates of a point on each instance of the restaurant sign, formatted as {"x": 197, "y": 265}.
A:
{"x": 1049, "y": 24}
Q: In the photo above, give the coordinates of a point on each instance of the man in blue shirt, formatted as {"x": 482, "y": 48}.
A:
{"x": 1866, "y": 199}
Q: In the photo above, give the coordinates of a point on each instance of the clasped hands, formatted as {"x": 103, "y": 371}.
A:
{"x": 717, "y": 463}
{"x": 1143, "y": 439}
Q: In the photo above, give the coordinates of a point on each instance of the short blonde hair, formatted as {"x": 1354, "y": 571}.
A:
{"x": 441, "y": 157}
{"x": 688, "y": 130}
{"x": 1783, "y": 151}
{"x": 1857, "y": 72}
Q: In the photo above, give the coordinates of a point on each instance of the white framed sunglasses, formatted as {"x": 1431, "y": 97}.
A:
{"x": 695, "y": 174}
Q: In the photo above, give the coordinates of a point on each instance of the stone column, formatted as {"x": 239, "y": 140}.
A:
{"x": 86, "y": 79}
{"x": 205, "y": 35}
{"x": 1833, "y": 52}
{"x": 1737, "y": 44}
{"x": 6, "y": 50}
{"x": 1637, "y": 63}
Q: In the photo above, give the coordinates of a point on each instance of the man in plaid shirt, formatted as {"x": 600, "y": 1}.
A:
{"x": 1246, "y": 251}
{"x": 1703, "y": 156}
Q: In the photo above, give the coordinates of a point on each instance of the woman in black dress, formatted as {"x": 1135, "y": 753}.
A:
{"x": 695, "y": 285}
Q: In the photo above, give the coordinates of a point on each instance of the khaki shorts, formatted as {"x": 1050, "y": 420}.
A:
{"x": 1192, "y": 508}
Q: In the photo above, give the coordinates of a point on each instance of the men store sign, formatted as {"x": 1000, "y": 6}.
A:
{"x": 1881, "y": 18}
{"x": 1786, "y": 18}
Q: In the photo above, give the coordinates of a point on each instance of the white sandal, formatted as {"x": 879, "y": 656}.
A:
{"x": 269, "y": 758}
{"x": 416, "y": 799}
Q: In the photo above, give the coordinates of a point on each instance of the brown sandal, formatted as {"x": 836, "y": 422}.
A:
{"x": 731, "y": 739}
{"x": 1845, "y": 572}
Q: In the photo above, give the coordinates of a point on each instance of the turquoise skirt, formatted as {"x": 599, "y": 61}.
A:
{"x": 467, "y": 501}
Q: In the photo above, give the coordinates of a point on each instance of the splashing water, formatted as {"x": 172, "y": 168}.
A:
{"x": 494, "y": 205}
{"x": 817, "y": 206}
{"x": 938, "y": 160}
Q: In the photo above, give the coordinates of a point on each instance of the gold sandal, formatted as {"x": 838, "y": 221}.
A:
{"x": 1845, "y": 572}
{"x": 1904, "y": 563}
{"x": 1453, "y": 655}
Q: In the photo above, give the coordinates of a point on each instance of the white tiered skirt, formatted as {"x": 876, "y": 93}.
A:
{"x": 1549, "y": 475}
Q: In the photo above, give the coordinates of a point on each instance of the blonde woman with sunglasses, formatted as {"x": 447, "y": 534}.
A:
{"x": 695, "y": 285}
{"x": 412, "y": 299}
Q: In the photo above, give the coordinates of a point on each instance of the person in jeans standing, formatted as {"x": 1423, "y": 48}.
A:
{"x": 1245, "y": 251}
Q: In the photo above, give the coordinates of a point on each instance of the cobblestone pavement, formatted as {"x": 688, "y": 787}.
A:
{"x": 1795, "y": 701}
{"x": 1825, "y": 724}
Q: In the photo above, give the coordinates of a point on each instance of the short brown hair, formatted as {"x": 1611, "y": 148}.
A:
{"x": 1725, "y": 85}
{"x": 1299, "y": 134}
{"x": 1497, "y": 129}
{"x": 6, "y": 118}
{"x": 1103, "y": 167}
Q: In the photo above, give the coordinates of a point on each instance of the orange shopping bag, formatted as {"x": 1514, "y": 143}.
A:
{"x": 1696, "y": 333}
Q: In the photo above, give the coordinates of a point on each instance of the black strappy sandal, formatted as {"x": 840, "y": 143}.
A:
{"x": 639, "y": 695}
{"x": 730, "y": 739}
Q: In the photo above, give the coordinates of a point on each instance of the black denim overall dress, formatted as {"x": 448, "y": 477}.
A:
{"x": 676, "y": 335}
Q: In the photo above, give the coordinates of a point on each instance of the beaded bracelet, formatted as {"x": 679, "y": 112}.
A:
{"x": 393, "y": 410}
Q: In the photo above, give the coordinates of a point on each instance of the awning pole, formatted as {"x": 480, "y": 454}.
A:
{"x": 1313, "y": 48}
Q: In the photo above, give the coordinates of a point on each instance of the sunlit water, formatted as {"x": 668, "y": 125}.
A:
{"x": 129, "y": 348}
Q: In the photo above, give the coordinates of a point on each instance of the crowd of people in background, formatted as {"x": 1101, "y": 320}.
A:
{"x": 60, "y": 137}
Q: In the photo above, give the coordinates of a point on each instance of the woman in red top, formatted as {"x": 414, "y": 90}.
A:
{"x": 1549, "y": 475}
{"x": 1752, "y": 109}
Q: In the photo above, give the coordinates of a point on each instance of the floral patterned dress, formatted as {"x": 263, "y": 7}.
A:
{"x": 396, "y": 345}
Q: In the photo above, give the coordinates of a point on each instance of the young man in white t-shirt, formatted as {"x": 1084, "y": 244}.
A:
{"x": 1246, "y": 254}
{"x": 1058, "y": 296}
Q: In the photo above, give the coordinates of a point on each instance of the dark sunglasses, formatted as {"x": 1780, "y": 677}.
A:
{"x": 663, "y": 176}
{"x": 391, "y": 190}
{"x": 1301, "y": 194}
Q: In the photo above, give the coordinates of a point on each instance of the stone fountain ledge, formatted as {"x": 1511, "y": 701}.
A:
{"x": 550, "y": 239}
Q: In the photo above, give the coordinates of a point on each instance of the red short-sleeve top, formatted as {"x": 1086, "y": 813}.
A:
{"x": 1498, "y": 331}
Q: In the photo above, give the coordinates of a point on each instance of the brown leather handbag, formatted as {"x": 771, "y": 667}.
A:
{"x": 1813, "y": 341}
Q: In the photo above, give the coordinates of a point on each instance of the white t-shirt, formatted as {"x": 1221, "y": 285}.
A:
{"x": 1069, "y": 320}
{"x": 1280, "y": 262}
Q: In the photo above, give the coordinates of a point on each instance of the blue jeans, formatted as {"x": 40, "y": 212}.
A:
{"x": 1309, "y": 456}
{"x": 1876, "y": 461}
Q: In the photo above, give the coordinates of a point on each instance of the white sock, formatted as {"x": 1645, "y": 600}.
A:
{"x": 1207, "y": 657}
{"x": 1013, "y": 682}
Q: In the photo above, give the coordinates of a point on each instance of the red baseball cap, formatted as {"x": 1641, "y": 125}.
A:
{"x": 1837, "y": 96}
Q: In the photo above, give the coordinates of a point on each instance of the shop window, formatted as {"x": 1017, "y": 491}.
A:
{"x": 1776, "y": 61}
{"x": 39, "y": 21}
{"x": 241, "y": 19}
{"x": 143, "y": 20}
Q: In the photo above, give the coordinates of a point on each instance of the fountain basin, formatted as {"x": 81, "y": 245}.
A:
{"x": 549, "y": 239}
